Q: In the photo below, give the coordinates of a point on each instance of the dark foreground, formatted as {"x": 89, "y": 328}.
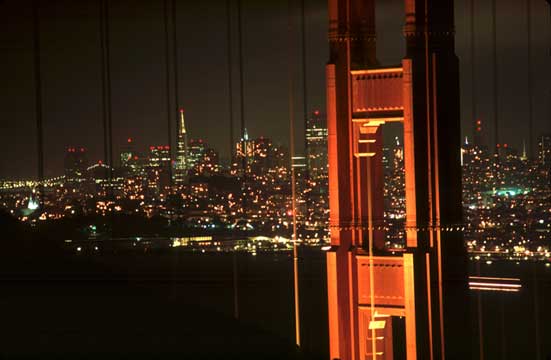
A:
{"x": 167, "y": 304}
{"x": 160, "y": 305}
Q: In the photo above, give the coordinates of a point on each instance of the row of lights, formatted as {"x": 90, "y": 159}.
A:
{"x": 407, "y": 229}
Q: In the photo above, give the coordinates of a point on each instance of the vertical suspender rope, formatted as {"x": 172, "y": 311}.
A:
{"x": 175, "y": 58}
{"x": 529, "y": 77}
{"x": 495, "y": 75}
{"x": 304, "y": 76}
{"x": 235, "y": 277}
{"x": 549, "y": 38}
{"x": 242, "y": 106}
{"x": 169, "y": 111}
{"x": 473, "y": 69}
{"x": 240, "y": 67}
{"x": 106, "y": 85}
{"x": 38, "y": 104}
{"x": 103, "y": 80}
{"x": 536, "y": 311}
{"x": 108, "y": 88}
{"x": 230, "y": 76}
{"x": 307, "y": 175}
{"x": 293, "y": 172}
{"x": 474, "y": 111}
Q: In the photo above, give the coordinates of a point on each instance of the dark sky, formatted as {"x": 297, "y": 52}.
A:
{"x": 72, "y": 86}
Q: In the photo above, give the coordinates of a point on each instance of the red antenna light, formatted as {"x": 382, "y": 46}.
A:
{"x": 100, "y": 162}
{"x": 317, "y": 112}
{"x": 129, "y": 140}
{"x": 181, "y": 110}
{"x": 504, "y": 145}
{"x": 498, "y": 145}
{"x": 81, "y": 149}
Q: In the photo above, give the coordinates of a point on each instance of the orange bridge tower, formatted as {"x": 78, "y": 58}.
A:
{"x": 427, "y": 283}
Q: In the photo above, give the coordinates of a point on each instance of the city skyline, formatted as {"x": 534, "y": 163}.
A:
{"x": 139, "y": 105}
{"x": 312, "y": 179}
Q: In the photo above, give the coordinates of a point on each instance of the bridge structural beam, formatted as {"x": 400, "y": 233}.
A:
{"x": 428, "y": 283}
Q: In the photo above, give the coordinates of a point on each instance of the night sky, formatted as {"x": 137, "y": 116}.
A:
{"x": 70, "y": 44}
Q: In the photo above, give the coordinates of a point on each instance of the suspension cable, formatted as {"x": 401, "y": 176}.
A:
{"x": 529, "y": 77}
{"x": 293, "y": 172}
{"x": 473, "y": 68}
{"x": 495, "y": 75}
{"x": 106, "y": 89}
{"x": 175, "y": 56}
{"x": 304, "y": 76}
{"x": 240, "y": 65}
{"x": 230, "y": 76}
{"x": 38, "y": 104}
{"x": 167, "y": 71}
{"x": 231, "y": 136}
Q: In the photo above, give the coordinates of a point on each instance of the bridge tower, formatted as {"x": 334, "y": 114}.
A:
{"x": 427, "y": 283}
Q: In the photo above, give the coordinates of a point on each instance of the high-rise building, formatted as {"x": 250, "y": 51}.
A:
{"x": 524, "y": 156}
{"x": 244, "y": 152}
{"x": 158, "y": 167}
{"x": 129, "y": 159}
{"x": 195, "y": 152}
{"x": 477, "y": 134}
{"x": 76, "y": 163}
{"x": 263, "y": 156}
{"x": 182, "y": 160}
{"x": 544, "y": 150}
{"x": 202, "y": 160}
{"x": 316, "y": 146}
{"x": 209, "y": 164}
{"x": 315, "y": 176}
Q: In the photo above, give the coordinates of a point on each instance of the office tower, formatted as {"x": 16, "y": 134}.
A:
{"x": 195, "y": 152}
{"x": 129, "y": 159}
{"x": 544, "y": 150}
{"x": 314, "y": 179}
{"x": 206, "y": 161}
{"x": 158, "y": 168}
{"x": 477, "y": 137}
{"x": 262, "y": 157}
{"x": 244, "y": 152}
{"x": 182, "y": 165}
{"x": 316, "y": 146}
{"x": 76, "y": 163}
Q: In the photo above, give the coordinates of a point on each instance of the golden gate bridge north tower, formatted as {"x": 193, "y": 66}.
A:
{"x": 427, "y": 283}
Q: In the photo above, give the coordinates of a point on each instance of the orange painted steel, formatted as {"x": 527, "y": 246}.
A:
{"x": 426, "y": 283}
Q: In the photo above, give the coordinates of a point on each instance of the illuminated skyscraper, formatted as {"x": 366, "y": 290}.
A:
{"x": 182, "y": 161}
{"x": 262, "y": 155}
{"x": 315, "y": 177}
{"x": 76, "y": 163}
{"x": 544, "y": 150}
{"x": 195, "y": 152}
{"x": 477, "y": 137}
{"x": 128, "y": 159}
{"x": 316, "y": 146}
{"x": 245, "y": 148}
{"x": 158, "y": 167}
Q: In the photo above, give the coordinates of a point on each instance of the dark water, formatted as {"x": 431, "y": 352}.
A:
{"x": 515, "y": 325}
{"x": 171, "y": 303}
